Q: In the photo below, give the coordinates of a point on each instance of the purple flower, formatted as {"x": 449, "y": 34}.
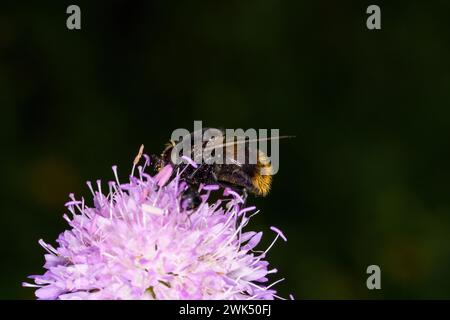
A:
{"x": 136, "y": 242}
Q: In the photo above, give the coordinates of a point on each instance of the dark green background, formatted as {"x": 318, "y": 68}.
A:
{"x": 366, "y": 181}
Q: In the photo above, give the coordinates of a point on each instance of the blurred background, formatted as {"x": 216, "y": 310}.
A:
{"x": 366, "y": 180}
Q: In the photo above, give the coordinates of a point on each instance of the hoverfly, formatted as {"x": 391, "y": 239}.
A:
{"x": 240, "y": 176}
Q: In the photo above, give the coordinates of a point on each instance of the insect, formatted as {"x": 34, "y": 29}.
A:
{"x": 240, "y": 176}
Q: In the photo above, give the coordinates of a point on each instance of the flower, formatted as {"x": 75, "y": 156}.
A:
{"x": 137, "y": 242}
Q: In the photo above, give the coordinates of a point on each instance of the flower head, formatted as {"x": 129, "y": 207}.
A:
{"x": 137, "y": 242}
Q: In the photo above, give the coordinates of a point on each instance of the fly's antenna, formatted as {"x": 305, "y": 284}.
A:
{"x": 137, "y": 158}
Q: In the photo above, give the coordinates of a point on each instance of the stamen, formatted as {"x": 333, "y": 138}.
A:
{"x": 210, "y": 187}
{"x": 89, "y": 184}
{"x": 236, "y": 195}
{"x": 72, "y": 203}
{"x": 114, "y": 169}
{"x": 271, "y": 245}
{"x": 246, "y": 210}
{"x": 267, "y": 250}
{"x": 48, "y": 247}
{"x": 278, "y": 231}
{"x": 65, "y": 217}
{"x": 147, "y": 160}
{"x": 254, "y": 214}
{"x": 99, "y": 187}
{"x": 230, "y": 239}
{"x": 29, "y": 285}
{"x": 225, "y": 227}
{"x": 190, "y": 161}
{"x": 278, "y": 281}
{"x": 151, "y": 209}
{"x": 111, "y": 193}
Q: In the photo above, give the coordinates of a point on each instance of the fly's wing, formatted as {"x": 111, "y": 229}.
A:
{"x": 230, "y": 152}
{"x": 219, "y": 150}
{"x": 242, "y": 151}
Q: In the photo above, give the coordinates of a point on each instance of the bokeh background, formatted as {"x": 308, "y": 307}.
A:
{"x": 366, "y": 180}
